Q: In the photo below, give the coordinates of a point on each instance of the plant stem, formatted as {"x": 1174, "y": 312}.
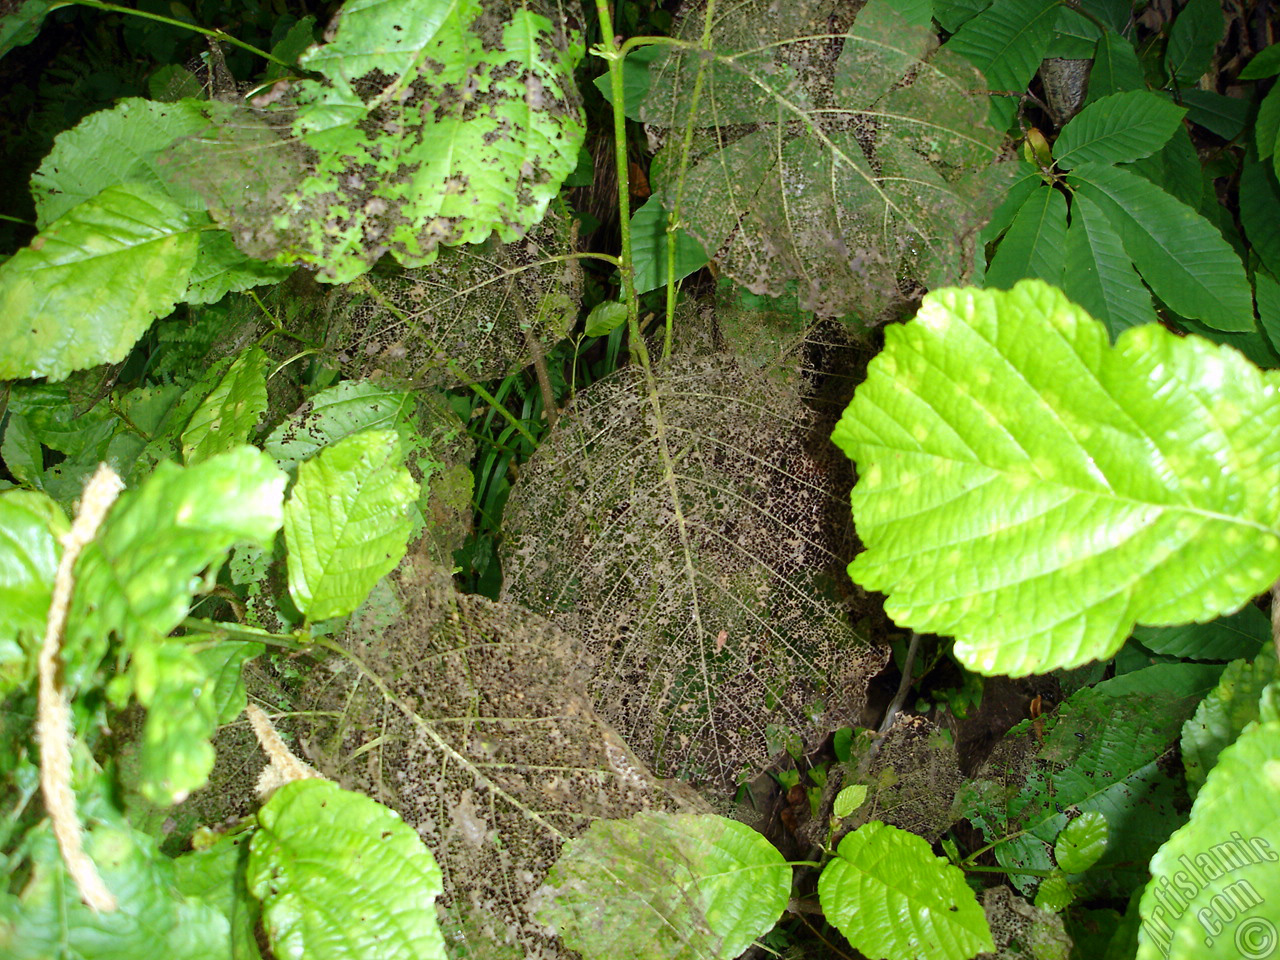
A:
{"x": 613, "y": 56}
{"x": 235, "y": 631}
{"x": 217, "y": 35}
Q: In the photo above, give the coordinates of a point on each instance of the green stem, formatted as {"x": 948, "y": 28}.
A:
{"x": 613, "y": 56}
{"x": 968, "y": 868}
{"x": 236, "y": 631}
{"x": 217, "y": 35}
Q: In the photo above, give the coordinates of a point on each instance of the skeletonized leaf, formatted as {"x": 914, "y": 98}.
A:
{"x": 891, "y": 897}
{"x": 1179, "y": 253}
{"x": 1229, "y": 843}
{"x": 1116, "y": 129}
{"x": 90, "y": 284}
{"x": 666, "y": 887}
{"x": 227, "y": 415}
{"x": 1035, "y": 492}
{"x": 347, "y": 522}
{"x": 1033, "y": 245}
{"x": 340, "y": 876}
{"x": 1099, "y": 275}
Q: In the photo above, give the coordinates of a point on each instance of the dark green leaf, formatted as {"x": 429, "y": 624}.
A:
{"x": 649, "y": 237}
{"x": 1266, "y": 293}
{"x": 1260, "y": 211}
{"x": 1099, "y": 275}
{"x": 1006, "y": 42}
{"x": 1180, "y": 254}
{"x": 216, "y": 876}
{"x": 1175, "y": 168}
{"x": 1267, "y": 127}
{"x": 1116, "y": 129}
{"x": 1225, "y": 116}
{"x": 635, "y": 79}
{"x": 952, "y": 14}
{"x": 1265, "y": 64}
{"x": 1227, "y": 638}
{"x": 20, "y": 26}
{"x": 1193, "y": 39}
{"x": 1033, "y": 245}
{"x": 1115, "y": 68}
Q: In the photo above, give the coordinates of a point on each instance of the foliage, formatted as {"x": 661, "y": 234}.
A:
{"x": 1056, "y": 478}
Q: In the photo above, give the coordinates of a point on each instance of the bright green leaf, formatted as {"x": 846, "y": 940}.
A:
{"x": 30, "y": 525}
{"x": 1099, "y": 275}
{"x": 666, "y": 887}
{"x": 1054, "y": 894}
{"x": 1115, "y": 68}
{"x": 1194, "y": 37}
{"x": 1006, "y": 42}
{"x": 891, "y": 897}
{"x": 1224, "y": 713}
{"x": 136, "y": 579}
{"x": 229, "y": 413}
{"x": 1222, "y": 864}
{"x": 347, "y": 522}
{"x": 1180, "y": 254}
{"x": 342, "y": 876}
{"x": 1116, "y": 129}
{"x": 1033, "y": 245}
{"x": 605, "y": 318}
{"x": 153, "y": 920}
{"x": 849, "y": 799}
{"x": 1082, "y": 842}
{"x": 649, "y": 237}
{"x": 90, "y": 284}
{"x": 1035, "y": 492}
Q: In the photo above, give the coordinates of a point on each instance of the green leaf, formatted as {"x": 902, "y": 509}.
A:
{"x": 605, "y": 317}
{"x": 229, "y": 413}
{"x": 675, "y": 887}
{"x": 1176, "y": 169}
{"x": 649, "y": 239}
{"x": 347, "y": 522}
{"x": 1006, "y": 42}
{"x": 1054, "y": 894}
{"x": 153, "y": 920}
{"x": 1180, "y": 254}
{"x": 1029, "y": 180}
{"x": 1036, "y": 522}
{"x": 30, "y": 525}
{"x": 1223, "y": 115}
{"x": 1218, "y": 868}
{"x": 419, "y": 125}
{"x": 1099, "y": 275}
{"x": 1224, "y": 713}
{"x": 1260, "y": 211}
{"x": 187, "y": 693}
{"x": 953, "y": 13}
{"x": 341, "y": 876}
{"x": 1266, "y": 293}
{"x": 1193, "y": 39}
{"x": 1227, "y": 638}
{"x": 891, "y": 897}
{"x": 635, "y": 79}
{"x": 336, "y": 413}
{"x": 1082, "y": 842}
{"x": 20, "y": 26}
{"x": 90, "y": 284}
{"x": 1033, "y": 245}
{"x": 1265, "y": 64}
{"x": 1101, "y": 751}
{"x": 1117, "y": 128}
{"x": 1267, "y": 127}
{"x": 1115, "y": 68}
{"x": 215, "y": 875}
{"x": 849, "y": 799}
{"x": 137, "y": 577}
